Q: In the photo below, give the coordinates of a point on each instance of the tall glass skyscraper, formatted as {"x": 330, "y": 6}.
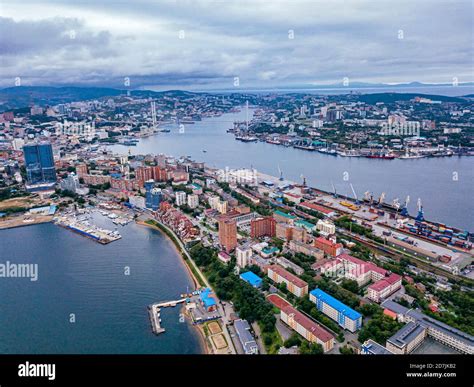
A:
{"x": 39, "y": 163}
{"x": 153, "y": 195}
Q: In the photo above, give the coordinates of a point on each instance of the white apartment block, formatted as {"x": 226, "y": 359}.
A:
{"x": 180, "y": 198}
{"x": 243, "y": 255}
{"x": 325, "y": 227}
{"x": 193, "y": 201}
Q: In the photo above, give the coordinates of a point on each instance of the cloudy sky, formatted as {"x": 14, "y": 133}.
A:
{"x": 204, "y": 44}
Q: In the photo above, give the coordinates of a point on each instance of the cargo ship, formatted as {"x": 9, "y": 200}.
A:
{"x": 381, "y": 156}
{"x": 246, "y": 138}
{"x": 304, "y": 147}
{"x": 331, "y": 152}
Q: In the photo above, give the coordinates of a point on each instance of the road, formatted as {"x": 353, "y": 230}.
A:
{"x": 207, "y": 284}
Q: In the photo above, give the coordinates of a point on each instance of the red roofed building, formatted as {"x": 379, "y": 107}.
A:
{"x": 307, "y": 328}
{"x": 329, "y": 247}
{"x": 316, "y": 207}
{"x": 347, "y": 266}
{"x": 278, "y": 301}
{"x": 384, "y": 287}
{"x": 390, "y": 314}
{"x": 293, "y": 283}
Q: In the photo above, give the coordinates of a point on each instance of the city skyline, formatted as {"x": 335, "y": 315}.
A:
{"x": 214, "y": 45}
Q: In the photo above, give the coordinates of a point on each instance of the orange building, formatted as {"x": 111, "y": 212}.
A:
{"x": 260, "y": 227}
{"x": 328, "y": 246}
{"x": 227, "y": 233}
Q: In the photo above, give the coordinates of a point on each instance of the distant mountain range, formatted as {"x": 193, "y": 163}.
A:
{"x": 24, "y": 96}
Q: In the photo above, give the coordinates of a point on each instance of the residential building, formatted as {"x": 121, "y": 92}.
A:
{"x": 345, "y": 316}
{"x": 306, "y": 327}
{"x": 329, "y": 246}
{"x": 384, "y": 287}
{"x": 293, "y": 283}
{"x": 180, "y": 198}
{"x": 263, "y": 226}
{"x": 325, "y": 227}
{"x": 70, "y": 183}
{"x": 307, "y": 249}
{"x": 193, "y": 201}
{"x": 283, "y": 217}
{"x": 227, "y": 233}
{"x": 243, "y": 255}
{"x": 287, "y": 264}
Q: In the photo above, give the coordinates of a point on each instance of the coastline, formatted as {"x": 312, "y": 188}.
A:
{"x": 183, "y": 260}
{"x": 201, "y": 335}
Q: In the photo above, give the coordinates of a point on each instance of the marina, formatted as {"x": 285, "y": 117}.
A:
{"x": 84, "y": 228}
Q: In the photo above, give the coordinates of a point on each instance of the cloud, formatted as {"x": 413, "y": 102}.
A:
{"x": 206, "y": 43}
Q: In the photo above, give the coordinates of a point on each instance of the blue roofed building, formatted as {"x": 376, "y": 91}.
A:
{"x": 207, "y": 301}
{"x": 345, "y": 316}
{"x": 252, "y": 279}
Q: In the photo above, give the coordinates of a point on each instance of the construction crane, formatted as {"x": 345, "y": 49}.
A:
{"x": 404, "y": 211}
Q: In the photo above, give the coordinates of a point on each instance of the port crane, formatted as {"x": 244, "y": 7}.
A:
{"x": 404, "y": 211}
{"x": 368, "y": 197}
{"x": 280, "y": 172}
{"x": 334, "y": 189}
{"x": 420, "y": 217}
{"x": 381, "y": 199}
{"x": 396, "y": 203}
{"x": 304, "y": 180}
{"x": 354, "y": 192}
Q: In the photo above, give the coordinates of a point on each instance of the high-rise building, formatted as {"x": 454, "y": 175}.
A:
{"x": 180, "y": 198}
{"x": 193, "y": 201}
{"x": 71, "y": 183}
{"x": 227, "y": 233}
{"x": 265, "y": 226}
{"x": 39, "y": 163}
{"x": 243, "y": 254}
{"x": 153, "y": 196}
